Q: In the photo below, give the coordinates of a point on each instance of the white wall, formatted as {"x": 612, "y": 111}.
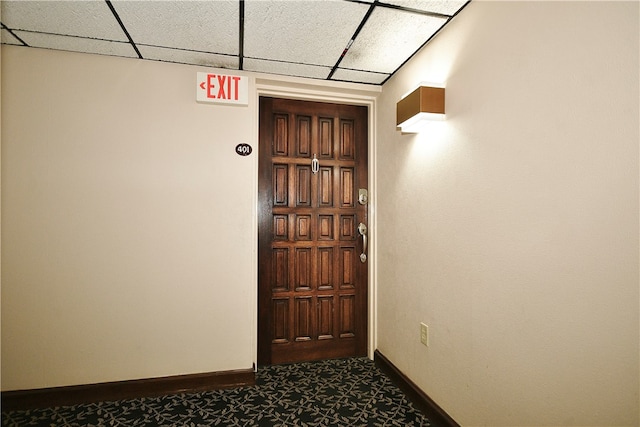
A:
{"x": 511, "y": 229}
{"x": 128, "y": 221}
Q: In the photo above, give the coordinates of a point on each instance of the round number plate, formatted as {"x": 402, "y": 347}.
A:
{"x": 243, "y": 149}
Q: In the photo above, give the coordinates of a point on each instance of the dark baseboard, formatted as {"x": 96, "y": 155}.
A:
{"x": 437, "y": 416}
{"x": 120, "y": 390}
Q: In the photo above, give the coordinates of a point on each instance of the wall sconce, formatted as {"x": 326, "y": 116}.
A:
{"x": 420, "y": 106}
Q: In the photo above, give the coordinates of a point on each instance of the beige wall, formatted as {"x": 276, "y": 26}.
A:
{"x": 128, "y": 220}
{"x": 511, "y": 228}
{"x": 126, "y": 258}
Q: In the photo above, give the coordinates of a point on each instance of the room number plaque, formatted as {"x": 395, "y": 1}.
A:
{"x": 243, "y": 149}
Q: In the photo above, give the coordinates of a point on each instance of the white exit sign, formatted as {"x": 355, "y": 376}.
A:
{"x": 222, "y": 89}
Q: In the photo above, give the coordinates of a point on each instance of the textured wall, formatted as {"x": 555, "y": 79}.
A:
{"x": 511, "y": 229}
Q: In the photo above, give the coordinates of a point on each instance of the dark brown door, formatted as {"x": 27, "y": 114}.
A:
{"x": 312, "y": 290}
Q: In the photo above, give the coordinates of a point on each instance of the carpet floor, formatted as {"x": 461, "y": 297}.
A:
{"x": 338, "y": 392}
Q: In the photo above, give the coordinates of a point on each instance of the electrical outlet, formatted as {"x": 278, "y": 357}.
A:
{"x": 424, "y": 334}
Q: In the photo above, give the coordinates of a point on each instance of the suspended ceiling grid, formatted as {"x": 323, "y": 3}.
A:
{"x": 362, "y": 41}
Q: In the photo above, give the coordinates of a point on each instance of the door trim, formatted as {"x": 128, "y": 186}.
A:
{"x": 342, "y": 93}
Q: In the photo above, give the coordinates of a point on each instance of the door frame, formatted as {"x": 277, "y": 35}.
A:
{"x": 341, "y": 93}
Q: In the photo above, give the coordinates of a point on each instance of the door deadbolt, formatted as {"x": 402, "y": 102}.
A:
{"x": 363, "y": 196}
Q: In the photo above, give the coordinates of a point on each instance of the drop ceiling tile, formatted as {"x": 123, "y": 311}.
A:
{"x": 207, "y": 26}
{"x": 188, "y": 57}
{"x": 75, "y": 18}
{"x": 388, "y": 38}
{"x": 285, "y": 68}
{"x": 445, "y": 7}
{"x": 309, "y": 32}
{"x": 77, "y": 44}
{"x": 359, "y": 76}
{"x": 8, "y": 38}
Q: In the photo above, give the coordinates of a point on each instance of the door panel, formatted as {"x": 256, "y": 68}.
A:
{"x": 312, "y": 291}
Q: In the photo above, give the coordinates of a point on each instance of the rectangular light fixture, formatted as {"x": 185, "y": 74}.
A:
{"x": 423, "y": 104}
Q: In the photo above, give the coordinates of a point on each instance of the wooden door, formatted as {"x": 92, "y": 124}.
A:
{"x": 312, "y": 290}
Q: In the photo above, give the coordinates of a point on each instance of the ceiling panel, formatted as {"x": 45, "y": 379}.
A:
{"x": 8, "y": 38}
{"x": 445, "y": 7}
{"x": 77, "y": 44}
{"x": 207, "y": 26}
{"x": 346, "y": 75}
{"x": 75, "y": 18}
{"x": 189, "y": 57}
{"x": 362, "y": 41}
{"x": 308, "y": 32}
{"x": 388, "y": 38}
{"x": 286, "y": 68}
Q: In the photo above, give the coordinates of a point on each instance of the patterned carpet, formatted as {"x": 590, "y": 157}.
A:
{"x": 339, "y": 392}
